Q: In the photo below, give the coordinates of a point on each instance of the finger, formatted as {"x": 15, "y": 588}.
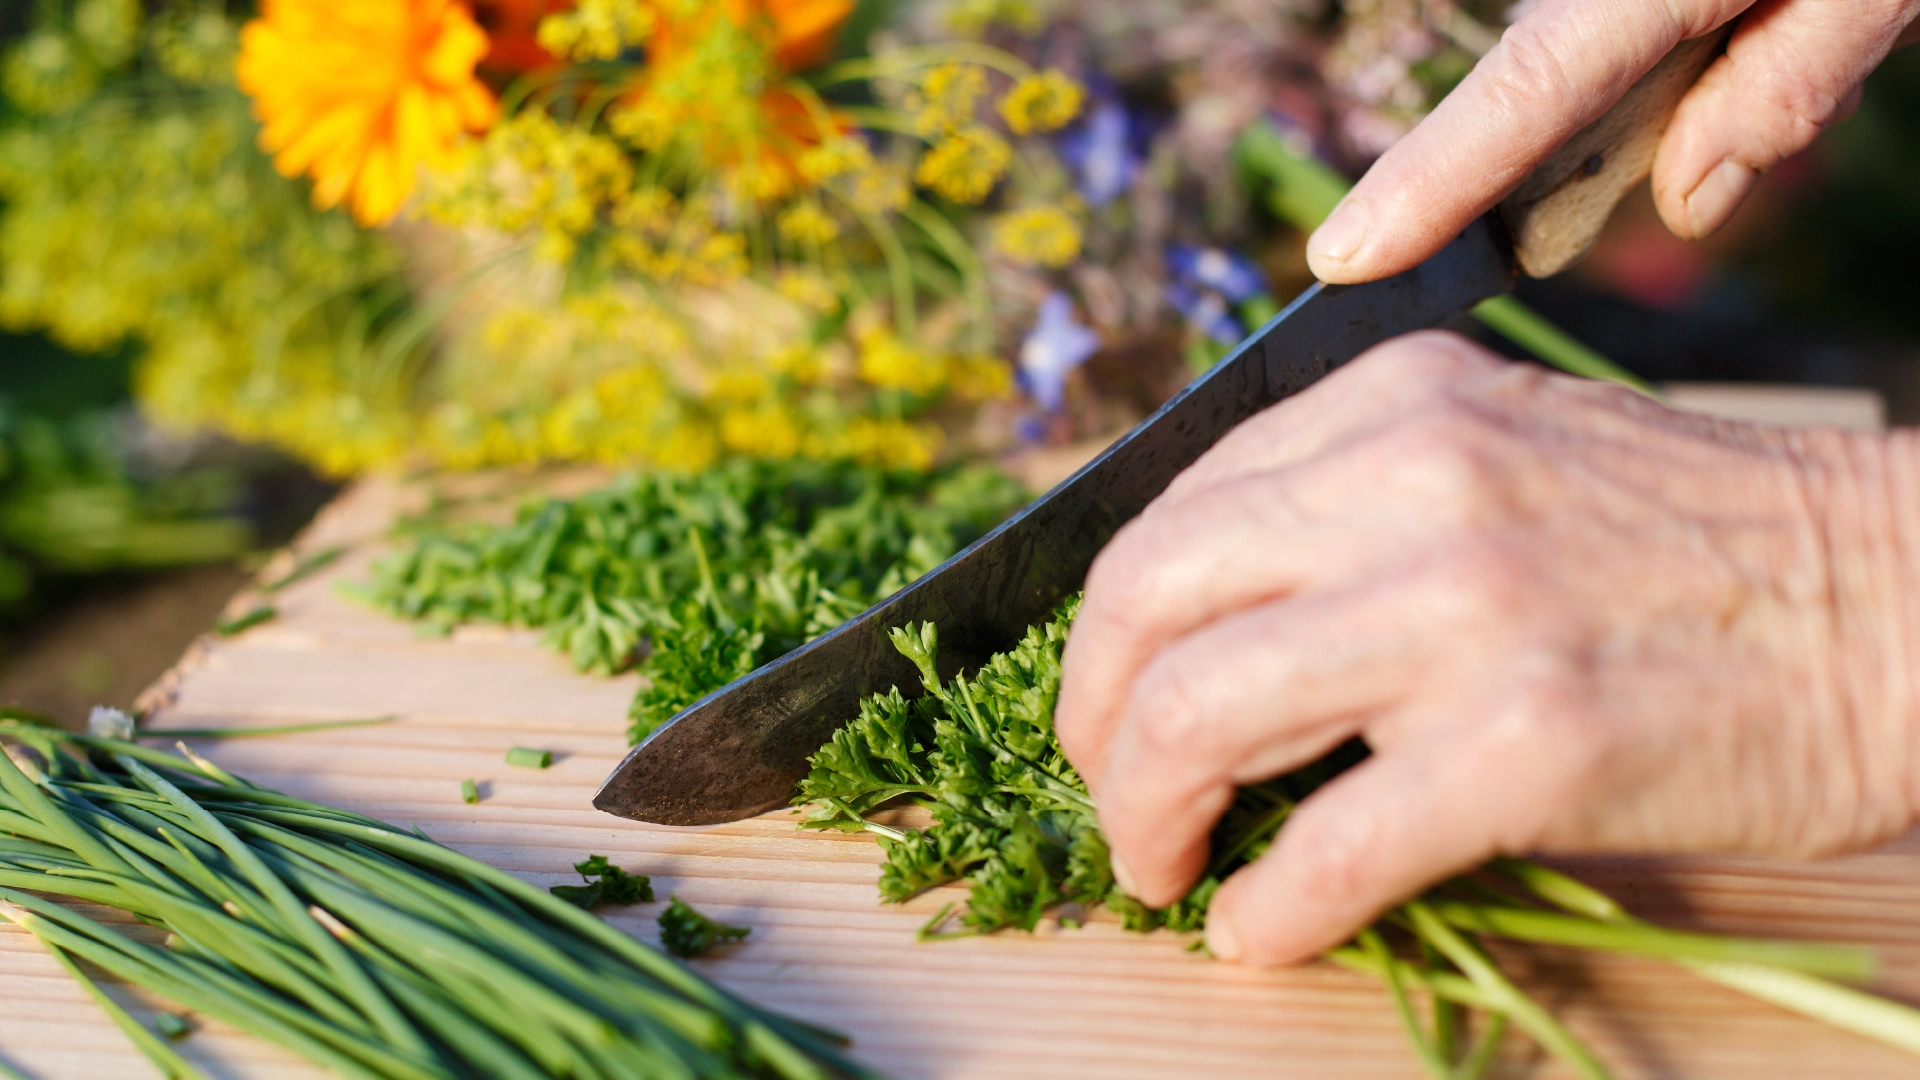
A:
{"x": 1792, "y": 68}
{"x": 1456, "y": 792}
{"x": 1552, "y": 72}
{"x": 1248, "y": 697}
{"x": 1371, "y": 391}
{"x": 1235, "y": 546}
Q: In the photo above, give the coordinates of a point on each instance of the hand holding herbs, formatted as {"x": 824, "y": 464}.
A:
{"x": 1564, "y": 617}
{"x": 1013, "y": 819}
{"x": 371, "y": 951}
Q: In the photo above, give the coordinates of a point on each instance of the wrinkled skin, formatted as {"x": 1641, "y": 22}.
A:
{"x": 1792, "y": 68}
{"x": 1565, "y": 617}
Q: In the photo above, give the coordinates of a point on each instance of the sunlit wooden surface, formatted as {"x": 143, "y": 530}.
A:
{"x": 1063, "y": 1003}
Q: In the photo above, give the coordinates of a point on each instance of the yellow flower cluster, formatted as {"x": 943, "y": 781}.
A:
{"x": 597, "y": 29}
{"x": 888, "y": 363}
{"x": 964, "y": 166}
{"x": 532, "y": 173}
{"x": 635, "y": 392}
{"x": 948, "y": 99}
{"x": 806, "y": 224}
{"x": 239, "y": 290}
{"x": 1047, "y": 101}
{"x": 1044, "y": 235}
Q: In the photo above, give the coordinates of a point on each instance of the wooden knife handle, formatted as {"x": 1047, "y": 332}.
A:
{"x": 1557, "y": 213}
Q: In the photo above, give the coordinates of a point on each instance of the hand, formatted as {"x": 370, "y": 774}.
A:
{"x": 1564, "y": 617}
{"x": 1792, "y": 67}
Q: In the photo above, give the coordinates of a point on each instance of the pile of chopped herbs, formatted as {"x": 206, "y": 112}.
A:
{"x": 697, "y": 578}
{"x": 368, "y": 950}
{"x": 1014, "y": 821}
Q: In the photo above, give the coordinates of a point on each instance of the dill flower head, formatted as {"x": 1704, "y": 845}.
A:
{"x": 1038, "y": 235}
{"x": 597, "y": 29}
{"x": 964, "y": 166}
{"x": 892, "y": 364}
{"x": 837, "y": 156}
{"x": 196, "y": 46}
{"x": 48, "y": 72}
{"x": 980, "y": 377}
{"x": 532, "y": 172}
{"x": 1044, "y": 102}
{"x": 358, "y": 94}
{"x": 879, "y": 189}
{"x": 806, "y": 223}
{"x": 947, "y": 98}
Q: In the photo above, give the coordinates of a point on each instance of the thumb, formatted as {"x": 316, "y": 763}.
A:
{"x": 1439, "y": 805}
{"x": 1792, "y": 68}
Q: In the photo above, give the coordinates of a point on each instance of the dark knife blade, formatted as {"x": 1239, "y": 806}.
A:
{"x": 740, "y": 750}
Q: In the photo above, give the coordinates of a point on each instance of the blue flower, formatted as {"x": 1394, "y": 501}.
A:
{"x": 1100, "y": 150}
{"x": 1206, "y": 310}
{"x": 1055, "y": 346}
{"x": 1228, "y": 273}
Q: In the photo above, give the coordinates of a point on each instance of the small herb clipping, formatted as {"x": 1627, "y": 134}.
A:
{"x": 606, "y": 884}
{"x": 701, "y": 578}
{"x": 469, "y": 792}
{"x": 1013, "y": 819}
{"x": 304, "y": 568}
{"x": 522, "y": 757}
{"x": 686, "y": 933}
{"x": 173, "y": 1025}
{"x": 239, "y": 623}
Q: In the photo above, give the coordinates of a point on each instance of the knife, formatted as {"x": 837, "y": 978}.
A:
{"x": 740, "y": 750}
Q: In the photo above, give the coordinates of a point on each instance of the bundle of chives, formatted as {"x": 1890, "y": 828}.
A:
{"x": 371, "y": 951}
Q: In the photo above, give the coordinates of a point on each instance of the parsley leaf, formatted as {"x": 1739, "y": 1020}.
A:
{"x": 686, "y": 933}
{"x": 606, "y": 884}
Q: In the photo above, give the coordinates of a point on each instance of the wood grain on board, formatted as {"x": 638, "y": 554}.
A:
{"x": 1060, "y": 1003}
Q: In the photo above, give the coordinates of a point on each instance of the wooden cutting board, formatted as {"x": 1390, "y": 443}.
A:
{"x": 1060, "y": 1003}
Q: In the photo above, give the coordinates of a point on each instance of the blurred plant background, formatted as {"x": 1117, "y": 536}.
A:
{"x": 250, "y": 252}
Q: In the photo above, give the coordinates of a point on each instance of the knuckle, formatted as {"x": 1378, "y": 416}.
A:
{"x": 1424, "y": 357}
{"x": 1170, "y": 704}
{"x": 1447, "y": 451}
{"x": 1329, "y": 863}
{"x": 1475, "y": 579}
{"x": 1524, "y": 71}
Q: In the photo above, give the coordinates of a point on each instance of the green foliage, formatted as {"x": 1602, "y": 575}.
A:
{"x": 137, "y": 209}
{"x": 73, "y": 501}
{"x": 1011, "y": 816}
{"x": 702, "y": 578}
{"x": 686, "y": 933}
{"x": 606, "y": 884}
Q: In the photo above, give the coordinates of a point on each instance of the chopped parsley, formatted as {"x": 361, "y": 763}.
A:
{"x": 697, "y": 579}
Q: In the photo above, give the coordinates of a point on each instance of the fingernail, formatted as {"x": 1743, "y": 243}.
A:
{"x": 1713, "y": 200}
{"x": 1220, "y": 940}
{"x": 1121, "y": 875}
{"x": 1339, "y": 237}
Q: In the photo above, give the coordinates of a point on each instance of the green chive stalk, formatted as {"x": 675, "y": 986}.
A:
{"x": 368, "y": 950}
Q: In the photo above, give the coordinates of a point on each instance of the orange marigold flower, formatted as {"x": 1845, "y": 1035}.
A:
{"x": 358, "y": 94}
{"x": 803, "y": 30}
